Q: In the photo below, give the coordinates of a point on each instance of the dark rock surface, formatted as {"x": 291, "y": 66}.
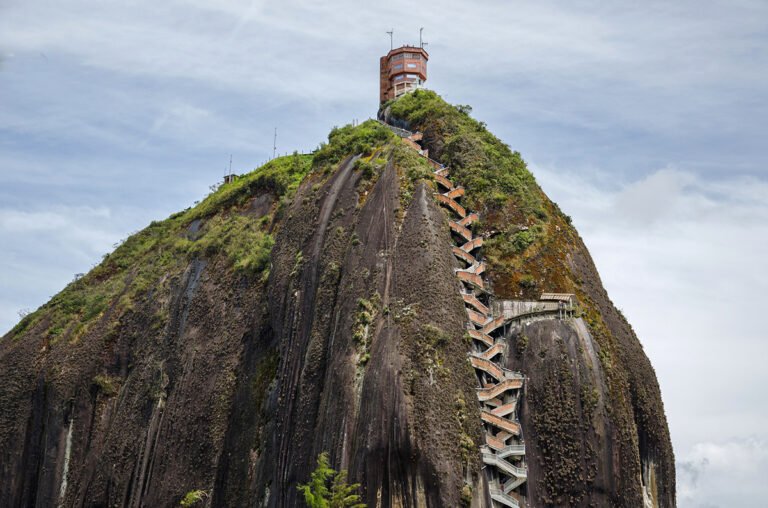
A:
{"x": 249, "y": 382}
{"x": 354, "y": 345}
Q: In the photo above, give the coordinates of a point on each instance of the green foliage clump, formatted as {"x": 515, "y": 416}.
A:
{"x": 521, "y": 344}
{"x": 298, "y": 263}
{"x": 417, "y": 167}
{"x": 433, "y": 336}
{"x": 240, "y": 238}
{"x": 328, "y": 488}
{"x": 362, "y": 139}
{"x": 73, "y": 310}
{"x": 365, "y": 167}
{"x": 466, "y": 495}
{"x": 492, "y": 173}
{"x": 367, "y": 310}
{"x": 137, "y": 265}
{"x": 413, "y": 168}
{"x": 107, "y": 385}
{"x": 496, "y": 179}
{"x": 193, "y": 497}
{"x": 522, "y": 239}
{"x": 281, "y": 176}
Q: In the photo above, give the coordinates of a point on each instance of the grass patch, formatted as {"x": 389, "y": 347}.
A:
{"x": 134, "y": 270}
{"x": 241, "y": 239}
{"x": 513, "y": 209}
{"x": 363, "y": 139}
{"x": 493, "y": 174}
{"x": 107, "y": 385}
{"x": 280, "y": 176}
{"x": 193, "y": 498}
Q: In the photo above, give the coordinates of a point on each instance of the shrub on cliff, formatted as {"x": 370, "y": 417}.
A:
{"x": 328, "y": 488}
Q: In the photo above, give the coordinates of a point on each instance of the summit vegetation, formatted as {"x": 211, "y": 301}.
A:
{"x": 521, "y": 225}
{"x": 218, "y": 226}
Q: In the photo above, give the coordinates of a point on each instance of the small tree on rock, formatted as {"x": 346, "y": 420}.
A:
{"x": 328, "y": 488}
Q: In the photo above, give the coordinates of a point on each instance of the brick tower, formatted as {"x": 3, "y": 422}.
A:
{"x": 402, "y": 70}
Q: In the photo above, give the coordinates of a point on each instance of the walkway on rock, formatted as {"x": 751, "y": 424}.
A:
{"x": 500, "y": 389}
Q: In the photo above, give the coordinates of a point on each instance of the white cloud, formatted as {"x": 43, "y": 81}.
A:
{"x": 82, "y": 231}
{"x": 709, "y": 466}
{"x": 43, "y": 249}
{"x": 118, "y": 113}
{"x": 685, "y": 258}
{"x": 17, "y": 221}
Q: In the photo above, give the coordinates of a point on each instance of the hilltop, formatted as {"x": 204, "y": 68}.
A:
{"x": 312, "y": 306}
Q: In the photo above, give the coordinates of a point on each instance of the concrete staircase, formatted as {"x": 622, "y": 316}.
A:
{"x": 500, "y": 389}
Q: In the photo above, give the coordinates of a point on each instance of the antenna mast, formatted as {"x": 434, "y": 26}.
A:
{"x": 230, "y": 164}
{"x": 391, "y": 41}
{"x": 274, "y": 144}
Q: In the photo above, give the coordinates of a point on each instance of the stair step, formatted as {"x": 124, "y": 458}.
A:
{"x": 463, "y": 255}
{"x": 493, "y": 391}
{"x": 471, "y": 278}
{"x": 472, "y": 300}
{"x": 482, "y": 337}
{"x": 455, "y": 193}
{"x": 474, "y": 244}
{"x": 444, "y": 182}
{"x": 470, "y": 219}
{"x": 460, "y": 230}
{"x": 453, "y": 205}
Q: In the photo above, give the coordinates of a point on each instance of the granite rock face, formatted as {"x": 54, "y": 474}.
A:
{"x": 353, "y": 342}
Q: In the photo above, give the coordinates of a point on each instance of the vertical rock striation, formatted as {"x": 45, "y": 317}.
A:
{"x": 313, "y": 306}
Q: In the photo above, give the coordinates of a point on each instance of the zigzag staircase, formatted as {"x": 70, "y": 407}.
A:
{"x": 500, "y": 389}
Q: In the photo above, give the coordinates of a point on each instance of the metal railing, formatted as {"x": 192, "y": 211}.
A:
{"x": 397, "y": 130}
{"x": 511, "y": 450}
{"x": 493, "y": 460}
{"x": 499, "y": 496}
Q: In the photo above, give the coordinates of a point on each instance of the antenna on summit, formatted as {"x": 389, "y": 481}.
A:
{"x": 421, "y": 41}
{"x": 274, "y": 144}
{"x": 391, "y": 40}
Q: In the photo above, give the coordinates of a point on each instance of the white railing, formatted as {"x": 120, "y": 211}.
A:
{"x": 508, "y": 374}
{"x": 406, "y": 87}
{"x": 513, "y": 483}
{"x": 493, "y": 460}
{"x": 505, "y": 499}
{"x": 397, "y": 130}
{"x": 511, "y": 450}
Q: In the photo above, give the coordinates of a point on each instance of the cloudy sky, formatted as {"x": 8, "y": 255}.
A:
{"x": 645, "y": 121}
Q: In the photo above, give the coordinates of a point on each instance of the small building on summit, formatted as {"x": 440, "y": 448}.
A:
{"x": 402, "y": 70}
